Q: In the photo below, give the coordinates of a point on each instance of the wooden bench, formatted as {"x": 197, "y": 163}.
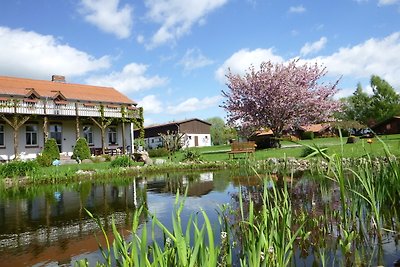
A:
{"x": 242, "y": 147}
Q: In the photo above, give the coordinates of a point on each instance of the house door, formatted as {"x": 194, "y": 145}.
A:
{"x": 196, "y": 141}
{"x": 56, "y": 133}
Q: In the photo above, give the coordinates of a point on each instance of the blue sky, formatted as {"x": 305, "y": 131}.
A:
{"x": 170, "y": 56}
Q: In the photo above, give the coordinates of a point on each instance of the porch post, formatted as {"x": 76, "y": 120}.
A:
{"x": 123, "y": 137}
{"x": 132, "y": 139}
{"x": 78, "y": 133}
{"x": 45, "y": 129}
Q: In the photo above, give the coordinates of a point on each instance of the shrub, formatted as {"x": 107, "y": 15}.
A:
{"x": 18, "y": 168}
{"x": 81, "y": 149}
{"x": 158, "y": 152}
{"x": 123, "y": 161}
{"x": 191, "y": 155}
{"x": 307, "y": 135}
{"x": 44, "y": 160}
{"x": 313, "y": 151}
{"x": 51, "y": 149}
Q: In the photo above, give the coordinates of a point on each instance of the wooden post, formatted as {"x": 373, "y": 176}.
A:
{"x": 123, "y": 137}
{"x": 102, "y": 124}
{"x": 78, "y": 132}
{"x": 45, "y": 129}
{"x": 16, "y": 123}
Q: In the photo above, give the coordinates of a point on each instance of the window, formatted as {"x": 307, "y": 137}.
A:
{"x": 112, "y": 135}
{"x": 1, "y": 135}
{"x": 31, "y": 135}
{"x": 88, "y": 134}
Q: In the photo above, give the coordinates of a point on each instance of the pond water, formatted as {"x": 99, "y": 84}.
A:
{"x": 48, "y": 225}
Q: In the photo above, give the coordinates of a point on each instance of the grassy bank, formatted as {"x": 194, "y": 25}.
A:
{"x": 214, "y": 157}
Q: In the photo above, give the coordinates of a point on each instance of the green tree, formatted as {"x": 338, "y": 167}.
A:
{"x": 220, "y": 132}
{"x": 385, "y": 102}
{"x": 370, "y": 109}
{"x": 358, "y": 106}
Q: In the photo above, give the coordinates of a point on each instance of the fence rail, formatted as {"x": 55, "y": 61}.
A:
{"x": 68, "y": 109}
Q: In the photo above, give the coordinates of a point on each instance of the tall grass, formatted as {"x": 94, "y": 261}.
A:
{"x": 341, "y": 216}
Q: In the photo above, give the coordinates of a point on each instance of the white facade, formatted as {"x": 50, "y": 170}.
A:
{"x": 195, "y": 140}
{"x": 31, "y": 138}
{"x": 153, "y": 142}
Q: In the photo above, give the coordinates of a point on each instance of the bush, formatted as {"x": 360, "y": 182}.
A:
{"x": 44, "y": 160}
{"x": 18, "y": 168}
{"x": 307, "y": 135}
{"x": 313, "y": 151}
{"x": 81, "y": 149}
{"x": 51, "y": 149}
{"x": 191, "y": 155}
{"x": 158, "y": 152}
{"x": 123, "y": 161}
{"x": 49, "y": 153}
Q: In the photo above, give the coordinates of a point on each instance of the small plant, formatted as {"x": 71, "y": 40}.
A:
{"x": 313, "y": 151}
{"x": 81, "y": 149}
{"x": 191, "y": 155}
{"x": 18, "y": 168}
{"x": 158, "y": 152}
{"x": 123, "y": 161}
{"x": 307, "y": 135}
{"x": 44, "y": 160}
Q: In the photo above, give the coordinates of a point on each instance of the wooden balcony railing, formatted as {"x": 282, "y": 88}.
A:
{"x": 41, "y": 107}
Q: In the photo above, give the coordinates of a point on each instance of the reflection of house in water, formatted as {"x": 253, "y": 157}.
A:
{"x": 57, "y": 222}
{"x": 199, "y": 184}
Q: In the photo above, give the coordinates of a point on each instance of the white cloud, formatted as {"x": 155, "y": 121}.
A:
{"x": 29, "y": 54}
{"x": 387, "y": 2}
{"x": 194, "y": 59}
{"x": 132, "y": 78}
{"x": 241, "y": 60}
{"x": 151, "y": 104}
{"x": 194, "y": 104}
{"x": 374, "y": 56}
{"x": 177, "y": 17}
{"x": 311, "y": 48}
{"x": 140, "y": 39}
{"x": 108, "y": 17}
{"x": 297, "y": 9}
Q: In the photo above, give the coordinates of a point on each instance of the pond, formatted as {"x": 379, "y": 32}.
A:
{"x": 48, "y": 225}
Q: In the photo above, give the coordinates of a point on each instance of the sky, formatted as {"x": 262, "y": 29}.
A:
{"x": 171, "y": 56}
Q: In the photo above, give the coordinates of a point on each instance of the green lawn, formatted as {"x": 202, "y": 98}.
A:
{"x": 294, "y": 149}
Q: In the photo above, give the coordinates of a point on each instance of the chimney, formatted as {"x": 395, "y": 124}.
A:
{"x": 58, "y": 78}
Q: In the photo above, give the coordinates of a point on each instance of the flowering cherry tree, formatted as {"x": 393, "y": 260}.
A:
{"x": 279, "y": 97}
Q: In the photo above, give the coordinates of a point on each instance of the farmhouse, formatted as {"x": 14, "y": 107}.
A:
{"x": 389, "y": 126}
{"x": 195, "y": 133}
{"x": 31, "y": 111}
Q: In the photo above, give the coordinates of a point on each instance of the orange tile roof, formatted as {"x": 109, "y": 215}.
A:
{"x": 314, "y": 127}
{"x": 20, "y": 87}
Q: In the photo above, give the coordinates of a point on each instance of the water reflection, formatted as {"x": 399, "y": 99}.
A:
{"x": 48, "y": 225}
{"x": 50, "y": 222}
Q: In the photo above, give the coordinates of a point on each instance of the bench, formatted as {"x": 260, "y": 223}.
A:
{"x": 97, "y": 151}
{"x": 242, "y": 147}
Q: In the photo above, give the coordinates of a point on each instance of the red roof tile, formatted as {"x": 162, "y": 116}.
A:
{"x": 18, "y": 87}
